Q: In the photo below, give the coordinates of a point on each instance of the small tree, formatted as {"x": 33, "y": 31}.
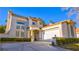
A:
{"x": 2, "y": 29}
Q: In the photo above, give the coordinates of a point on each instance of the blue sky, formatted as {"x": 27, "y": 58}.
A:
{"x": 45, "y": 13}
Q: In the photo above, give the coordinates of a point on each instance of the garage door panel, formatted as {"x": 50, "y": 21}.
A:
{"x": 48, "y": 34}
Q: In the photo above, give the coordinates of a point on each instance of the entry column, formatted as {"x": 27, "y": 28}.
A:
{"x": 32, "y": 36}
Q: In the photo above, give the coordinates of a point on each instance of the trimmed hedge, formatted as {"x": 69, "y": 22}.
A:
{"x": 62, "y": 41}
{"x": 15, "y": 40}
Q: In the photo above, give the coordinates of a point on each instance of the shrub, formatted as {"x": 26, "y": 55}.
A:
{"x": 15, "y": 39}
{"x": 62, "y": 41}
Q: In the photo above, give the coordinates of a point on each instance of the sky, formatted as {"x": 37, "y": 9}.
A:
{"x": 56, "y": 14}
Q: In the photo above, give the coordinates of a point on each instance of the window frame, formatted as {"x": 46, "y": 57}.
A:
{"x": 18, "y": 27}
{"x": 33, "y": 23}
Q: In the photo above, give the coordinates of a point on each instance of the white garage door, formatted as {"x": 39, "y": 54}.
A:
{"x": 48, "y": 34}
{"x": 77, "y": 35}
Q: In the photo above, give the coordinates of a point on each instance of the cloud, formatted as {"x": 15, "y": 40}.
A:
{"x": 72, "y": 11}
{"x": 64, "y": 8}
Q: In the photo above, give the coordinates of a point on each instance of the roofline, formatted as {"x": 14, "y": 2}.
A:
{"x": 33, "y": 18}
{"x": 58, "y": 23}
{"x": 19, "y": 16}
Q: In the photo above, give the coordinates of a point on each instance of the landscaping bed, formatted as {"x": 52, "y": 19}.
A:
{"x": 68, "y": 43}
{"x": 63, "y": 41}
{"x": 74, "y": 47}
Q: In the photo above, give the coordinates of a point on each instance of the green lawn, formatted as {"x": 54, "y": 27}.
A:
{"x": 74, "y": 47}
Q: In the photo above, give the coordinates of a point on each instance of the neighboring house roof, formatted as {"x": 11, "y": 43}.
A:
{"x": 77, "y": 30}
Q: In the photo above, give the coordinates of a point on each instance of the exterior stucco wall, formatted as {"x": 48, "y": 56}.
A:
{"x": 9, "y": 21}
{"x": 14, "y": 29}
{"x": 36, "y": 25}
{"x": 65, "y": 30}
{"x": 3, "y": 36}
{"x": 75, "y": 36}
{"x": 12, "y": 32}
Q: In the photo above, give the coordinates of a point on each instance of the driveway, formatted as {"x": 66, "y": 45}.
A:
{"x": 29, "y": 46}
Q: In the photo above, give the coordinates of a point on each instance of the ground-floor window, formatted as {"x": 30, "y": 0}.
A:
{"x": 22, "y": 34}
{"x": 22, "y": 27}
{"x": 17, "y": 27}
{"x": 17, "y": 33}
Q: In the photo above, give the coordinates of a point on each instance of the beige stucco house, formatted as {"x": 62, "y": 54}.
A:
{"x": 31, "y": 27}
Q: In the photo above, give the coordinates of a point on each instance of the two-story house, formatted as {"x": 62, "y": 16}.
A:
{"x": 30, "y": 27}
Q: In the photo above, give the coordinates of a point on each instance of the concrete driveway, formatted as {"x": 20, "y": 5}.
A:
{"x": 29, "y": 46}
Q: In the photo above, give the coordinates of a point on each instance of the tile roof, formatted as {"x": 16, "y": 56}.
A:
{"x": 77, "y": 30}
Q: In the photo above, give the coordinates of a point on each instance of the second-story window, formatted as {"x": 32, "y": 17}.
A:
{"x": 22, "y": 23}
{"x": 33, "y": 23}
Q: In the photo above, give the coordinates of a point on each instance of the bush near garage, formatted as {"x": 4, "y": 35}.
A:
{"x": 63, "y": 41}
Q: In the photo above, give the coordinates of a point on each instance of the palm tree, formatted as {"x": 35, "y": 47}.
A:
{"x": 51, "y": 21}
{"x": 42, "y": 21}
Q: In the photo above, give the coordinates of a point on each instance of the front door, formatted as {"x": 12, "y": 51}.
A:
{"x": 36, "y": 35}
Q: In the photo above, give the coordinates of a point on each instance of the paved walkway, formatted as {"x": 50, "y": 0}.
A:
{"x": 29, "y": 46}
